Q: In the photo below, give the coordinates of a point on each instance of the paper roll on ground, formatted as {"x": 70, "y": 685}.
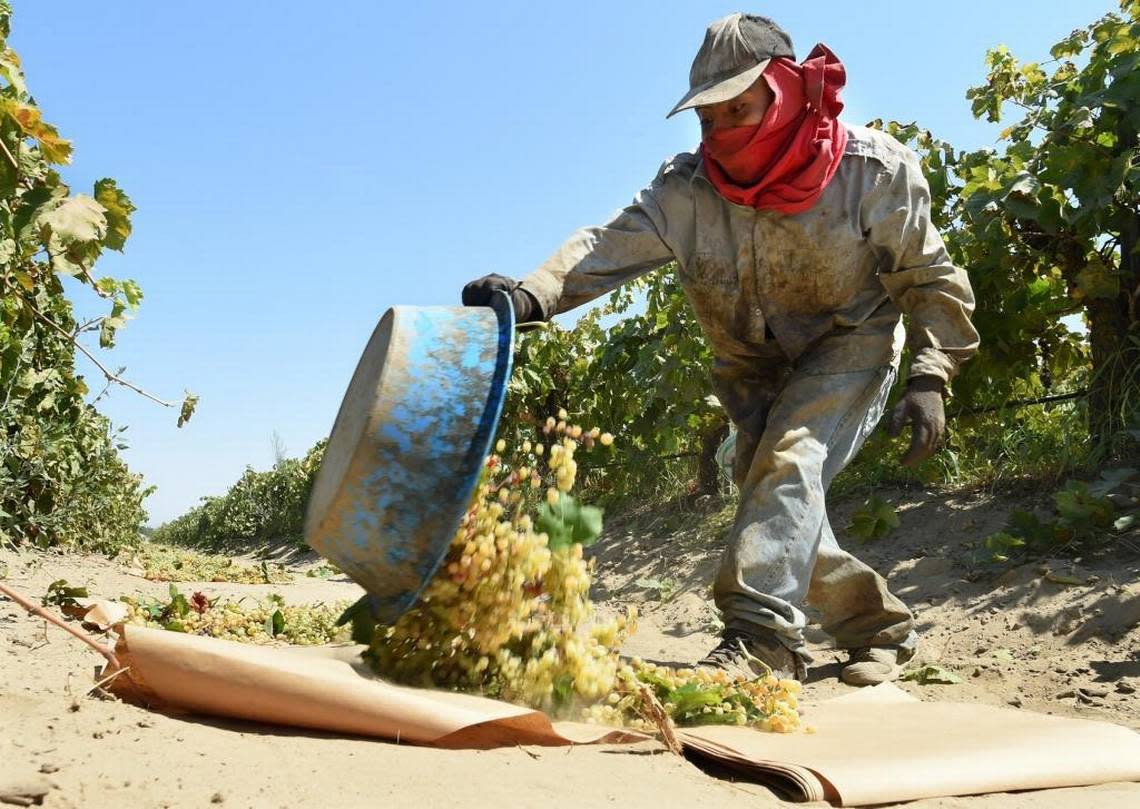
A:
{"x": 318, "y": 689}
{"x": 876, "y": 746}
{"x": 882, "y": 746}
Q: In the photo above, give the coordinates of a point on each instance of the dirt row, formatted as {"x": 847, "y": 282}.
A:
{"x": 1056, "y": 636}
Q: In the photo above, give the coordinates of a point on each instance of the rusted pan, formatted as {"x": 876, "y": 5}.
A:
{"x": 408, "y": 444}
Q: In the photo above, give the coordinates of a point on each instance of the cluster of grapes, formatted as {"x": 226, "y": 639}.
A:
{"x": 161, "y": 563}
{"x": 702, "y": 696}
{"x": 509, "y": 614}
{"x": 246, "y": 621}
{"x": 502, "y": 616}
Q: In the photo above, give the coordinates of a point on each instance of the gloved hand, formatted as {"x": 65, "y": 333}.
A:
{"x": 479, "y": 293}
{"x": 921, "y": 407}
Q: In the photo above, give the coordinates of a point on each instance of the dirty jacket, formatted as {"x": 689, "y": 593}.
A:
{"x": 851, "y": 265}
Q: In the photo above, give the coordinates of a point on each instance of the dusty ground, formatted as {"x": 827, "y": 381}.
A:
{"x": 1014, "y": 636}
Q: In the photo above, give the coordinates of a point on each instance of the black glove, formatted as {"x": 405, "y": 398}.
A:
{"x": 480, "y": 292}
{"x": 921, "y": 407}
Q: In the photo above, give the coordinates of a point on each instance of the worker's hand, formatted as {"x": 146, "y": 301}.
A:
{"x": 921, "y": 407}
{"x": 480, "y": 292}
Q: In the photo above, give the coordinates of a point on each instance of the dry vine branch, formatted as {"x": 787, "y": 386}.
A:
{"x": 39, "y": 612}
{"x": 654, "y": 712}
{"x": 111, "y": 377}
{"x": 11, "y": 158}
{"x": 99, "y": 685}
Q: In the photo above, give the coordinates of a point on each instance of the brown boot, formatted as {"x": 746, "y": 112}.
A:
{"x": 871, "y": 665}
{"x": 753, "y": 656}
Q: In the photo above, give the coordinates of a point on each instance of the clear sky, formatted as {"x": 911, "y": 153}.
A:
{"x": 301, "y": 167}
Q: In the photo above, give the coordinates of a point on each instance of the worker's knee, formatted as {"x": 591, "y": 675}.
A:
{"x": 793, "y": 458}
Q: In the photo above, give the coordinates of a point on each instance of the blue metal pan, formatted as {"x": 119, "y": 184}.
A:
{"x": 407, "y": 448}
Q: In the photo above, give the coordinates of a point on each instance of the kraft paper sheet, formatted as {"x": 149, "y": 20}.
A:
{"x": 875, "y": 746}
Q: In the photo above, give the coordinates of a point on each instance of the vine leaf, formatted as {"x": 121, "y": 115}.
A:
{"x": 568, "y": 521}
{"x": 77, "y": 219}
{"x": 11, "y": 70}
{"x": 53, "y": 148}
{"x": 874, "y": 520}
{"x": 189, "y": 404}
{"x": 117, "y": 207}
{"x": 61, "y": 594}
{"x": 931, "y": 675}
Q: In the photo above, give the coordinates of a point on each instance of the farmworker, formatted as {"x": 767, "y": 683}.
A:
{"x": 799, "y": 241}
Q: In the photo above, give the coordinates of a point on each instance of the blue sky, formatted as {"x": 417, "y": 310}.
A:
{"x": 298, "y": 170}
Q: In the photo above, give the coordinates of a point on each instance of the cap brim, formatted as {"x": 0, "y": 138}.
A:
{"x": 716, "y": 92}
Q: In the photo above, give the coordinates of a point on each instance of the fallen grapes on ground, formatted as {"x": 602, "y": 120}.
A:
{"x": 247, "y": 620}
{"x": 163, "y": 563}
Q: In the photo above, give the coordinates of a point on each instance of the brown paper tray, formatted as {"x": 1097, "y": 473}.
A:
{"x": 876, "y": 746}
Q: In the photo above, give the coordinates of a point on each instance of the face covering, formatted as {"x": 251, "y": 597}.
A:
{"x": 784, "y": 162}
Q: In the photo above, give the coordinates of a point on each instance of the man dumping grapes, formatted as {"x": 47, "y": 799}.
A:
{"x": 800, "y": 241}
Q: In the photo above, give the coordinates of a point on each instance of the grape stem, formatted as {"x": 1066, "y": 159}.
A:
{"x": 54, "y": 619}
{"x": 8, "y": 153}
{"x": 106, "y": 680}
{"x": 652, "y": 709}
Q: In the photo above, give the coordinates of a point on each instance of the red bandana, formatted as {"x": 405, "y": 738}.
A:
{"x": 784, "y": 162}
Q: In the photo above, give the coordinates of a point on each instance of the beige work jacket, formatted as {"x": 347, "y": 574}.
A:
{"x": 865, "y": 253}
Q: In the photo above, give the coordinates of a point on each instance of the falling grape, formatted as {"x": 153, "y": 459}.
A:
{"x": 509, "y": 615}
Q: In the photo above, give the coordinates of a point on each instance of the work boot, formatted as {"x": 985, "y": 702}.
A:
{"x": 753, "y": 656}
{"x": 871, "y": 665}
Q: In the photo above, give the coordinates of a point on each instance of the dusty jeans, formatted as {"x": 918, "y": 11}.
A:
{"x": 799, "y": 425}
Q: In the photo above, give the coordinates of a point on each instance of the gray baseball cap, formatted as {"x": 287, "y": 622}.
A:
{"x": 735, "y": 52}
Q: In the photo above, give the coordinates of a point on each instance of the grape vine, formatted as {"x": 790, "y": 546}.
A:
{"x": 62, "y": 480}
{"x": 1046, "y": 225}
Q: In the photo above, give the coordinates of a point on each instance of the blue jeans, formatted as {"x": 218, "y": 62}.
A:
{"x": 798, "y": 425}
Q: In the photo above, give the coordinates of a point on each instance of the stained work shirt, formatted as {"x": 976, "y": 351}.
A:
{"x": 852, "y": 264}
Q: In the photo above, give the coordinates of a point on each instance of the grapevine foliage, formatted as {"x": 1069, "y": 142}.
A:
{"x": 1046, "y": 225}
{"x": 258, "y": 507}
{"x": 62, "y": 480}
{"x": 648, "y": 372}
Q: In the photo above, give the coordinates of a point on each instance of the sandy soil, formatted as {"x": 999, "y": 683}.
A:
{"x": 1015, "y": 636}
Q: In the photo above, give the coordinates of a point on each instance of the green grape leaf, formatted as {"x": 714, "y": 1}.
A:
{"x": 275, "y": 624}
{"x": 189, "y": 404}
{"x": 179, "y": 605}
{"x": 362, "y": 620}
{"x": 688, "y": 699}
{"x": 153, "y": 608}
{"x": 62, "y": 594}
{"x": 563, "y": 689}
{"x": 1078, "y": 506}
{"x": 11, "y": 70}
{"x": 77, "y": 219}
{"x": 1000, "y": 544}
{"x": 117, "y": 207}
{"x": 132, "y": 292}
{"x": 568, "y": 521}
{"x": 1061, "y": 578}
{"x": 664, "y": 588}
{"x": 1028, "y": 528}
{"x": 53, "y": 148}
{"x": 931, "y": 675}
{"x": 874, "y": 520}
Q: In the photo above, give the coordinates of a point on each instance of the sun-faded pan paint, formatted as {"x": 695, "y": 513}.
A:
{"x": 408, "y": 445}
